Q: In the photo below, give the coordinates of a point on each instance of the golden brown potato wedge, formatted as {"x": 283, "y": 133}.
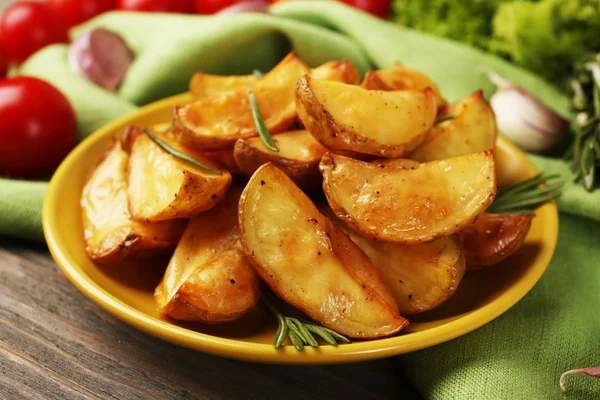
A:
{"x": 421, "y": 276}
{"x": 400, "y": 77}
{"x": 298, "y": 157}
{"x": 311, "y": 264}
{"x": 340, "y": 71}
{"x": 410, "y": 205}
{"x": 162, "y": 187}
{"x": 493, "y": 238}
{"x": 216, "y": 122}
{"x": 472, "y": 131}
{"x": 111, "y": 236}
{"x": 349, "y": 118}
{"x": 206, "y": 85}
{"x": 224, "y": 158}
{"x": 209, "y": 279}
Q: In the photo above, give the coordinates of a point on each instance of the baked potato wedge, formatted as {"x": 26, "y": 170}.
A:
{"x": 409, "y": 204}
{"x": 472, "y": 131}
{"x": 351, "y": 119}
{"x": 340, "y": 71}
{"x": 311, "y": 264}
{"x": 422, "y": 276}
{"x": 162, "y": 187}
{"x": 224, "y": 158}
{"x": 111, "y": 236}
{"x": 216, "y": 122}
{"x": 298, "y": 157}
{"x": 493, "y": 238}
{"x": 209, "y": 279}
{"x": 401, "y": 77}
{"x": 206, "y": 85}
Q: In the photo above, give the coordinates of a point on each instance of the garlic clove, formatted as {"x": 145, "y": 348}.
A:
{"x": 258, "y": 6}
{"x": 101, "y": 56}
{"x": 524, "y": 119}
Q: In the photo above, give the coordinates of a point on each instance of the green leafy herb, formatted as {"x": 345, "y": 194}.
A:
{"x": 445, "y": 118}
{"x": 584, "y": 152}
{"x": 263, "y": 132}
{"x": 177, "y": 153}
{"x": 300, "y": 332}
{"x": 524, "y": 197}
{"x": 257, "y": 73}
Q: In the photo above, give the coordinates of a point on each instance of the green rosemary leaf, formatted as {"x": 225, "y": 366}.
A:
{"x": 282, "y": 332}
{"x": 318, "y": 330}
{"x": 337, "y": 336}
{"x": 532, "y": 194}
{"x": 304, "y": 333}
{"x": 263, "y": 132}
{"x": 178, "y": 154}
{"x": 524, "y": 197}
{"x": 296, "y": 341}
{"x": 446, "y": 118}
{"x": 525, "y": 204}
{"x": 298, "y": 330}
{"x": 257, "y": 73}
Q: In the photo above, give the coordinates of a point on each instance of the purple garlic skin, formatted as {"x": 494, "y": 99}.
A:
{"x": 102, "y": 57}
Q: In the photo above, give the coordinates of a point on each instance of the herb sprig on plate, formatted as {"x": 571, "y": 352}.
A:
{"x": 261, "y": 127}
{"x": 524, "y": 197}
{"x": 178, "y": 154}
{"x": 300, "y": 331}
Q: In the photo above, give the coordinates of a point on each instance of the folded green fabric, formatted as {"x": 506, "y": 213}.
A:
{"x": 517, "y": 356}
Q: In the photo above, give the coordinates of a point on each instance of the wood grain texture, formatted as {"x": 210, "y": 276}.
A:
{"x": 56, "y": 344}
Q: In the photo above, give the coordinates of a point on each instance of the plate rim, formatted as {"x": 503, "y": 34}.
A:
{"x": 265, "y": 353}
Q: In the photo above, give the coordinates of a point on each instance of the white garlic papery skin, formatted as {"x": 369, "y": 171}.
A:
{"x": 101, "y": 56}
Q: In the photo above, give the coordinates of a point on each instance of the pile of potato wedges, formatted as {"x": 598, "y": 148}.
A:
{"x": 372, "y": 209}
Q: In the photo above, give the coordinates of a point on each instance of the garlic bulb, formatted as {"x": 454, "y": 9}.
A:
{"x": 101, "y": 56}
{"x": 524, "y": 119}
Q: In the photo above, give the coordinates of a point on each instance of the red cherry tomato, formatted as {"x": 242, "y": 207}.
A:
{"x": 176, "y": 6}
{"x": 4, "y": 62}
{"x": 38, "y": 127}
{"x": 213, "y": 6}
{"x": 75, "y": 12}
{"x": 379, "y": 8}
{"x": 27, "y": 26}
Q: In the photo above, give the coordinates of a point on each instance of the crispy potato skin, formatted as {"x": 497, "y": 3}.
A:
{"x": 162, "y": 187}
{"x": 383, "y": 124}
{"x": 493, "y": 238}
{"x": 400, "y": 77}
{"x": 206, "y": 85}
{"x": 339, "y": 71}
{"x": 298, "y": 157}
{"x": 111, "y": 236}
{"x": 422, "y": 276}
{"x": 217, "y": 122}
{"x": 472, "y": 131}
{"x": 209, "y": 279}
{"x": 410, "y": 205}
{"x": 311, "y": 264}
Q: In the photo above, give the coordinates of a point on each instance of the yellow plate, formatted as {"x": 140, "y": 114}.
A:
{"x": 479, "y": 299}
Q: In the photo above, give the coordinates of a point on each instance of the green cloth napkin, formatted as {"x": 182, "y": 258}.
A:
{"x": 521, "y": 354}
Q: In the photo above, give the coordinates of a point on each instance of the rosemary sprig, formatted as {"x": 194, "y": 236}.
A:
{"x": 176, "y": 153}
{"x": 260, "y": 123}
{"x": 584, "y": 151}
{"x": 445, "y": 118}
{"x": 300, "y": 331}
{"x": 524, "y": 197}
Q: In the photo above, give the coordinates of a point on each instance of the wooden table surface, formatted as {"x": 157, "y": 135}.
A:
{"x": 57, "y": 344}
